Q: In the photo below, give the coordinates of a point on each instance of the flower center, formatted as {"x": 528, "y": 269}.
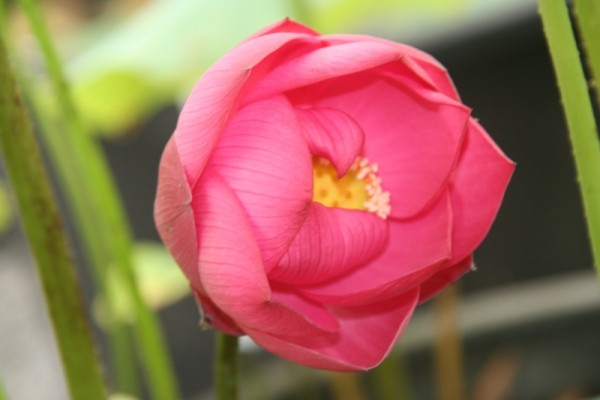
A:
{"x": 359, "y": 189}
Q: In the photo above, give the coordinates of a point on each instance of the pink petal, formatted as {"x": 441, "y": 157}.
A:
{"x": 314, "y": 312}
{"x": 285, "y": 25}
{"x": 322, "y": 64}
{"x": 366, "y": 336}
{"x": 416, "y": 249}
{"x": 443, "y": 278}
{"x": 213, "y": 317}
{"x": 173, "y": 214}
{"x": 333, "y": 135}
{"x": 416, "y": 161}
{"x": 332, "y": 241}
{"x": 436, "y": 72}
{"x": 218, "y": 92}
{"x": 264, "y": 158}
{"x": 477, "y": 187}
{"x": 231, "y": 267}
{"x": 412, "y": 134}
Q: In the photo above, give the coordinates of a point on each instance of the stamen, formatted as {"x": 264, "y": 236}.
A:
{"x": 359, "y": 189}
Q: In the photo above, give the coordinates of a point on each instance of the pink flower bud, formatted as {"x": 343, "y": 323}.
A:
{"x": 317, "y": 188}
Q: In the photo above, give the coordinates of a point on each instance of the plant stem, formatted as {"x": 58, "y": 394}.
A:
{"x": 345, "y": 386}
{"x": 108, "y": 223}
{"x": 391, "y": 378}
{"x": 578, "y": 111}
{"x": 448, "y": 352}
{"x": 226, "y": 367}
{"x": 588, "y": 20}
{"x": 48, "y": 241}
{"x": 102, "y": 214}
{"x": 69, "y": 159}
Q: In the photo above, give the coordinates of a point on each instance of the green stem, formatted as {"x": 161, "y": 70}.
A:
{"x": 391, "y": 378}
{"x": 101, "y": 213}
{"x": 226, "y": 367}
{"x": 579, "y": 112}
{"x": 48, "y": 241}
{"x": 588, "y": 20}
{"x": 2, "y": 391}
{"x": 71, "y": 167}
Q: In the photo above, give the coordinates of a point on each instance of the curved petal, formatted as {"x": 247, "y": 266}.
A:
{"x": 217, "y": 94}
{"x": 437, "y": 73}
{"x": 477, "y": 187}
{"x": 417, "y": 248}
{"x": 322, "y": 64}
{"x": 333, "y": 135}
{"x": 263, "y": 157}
{"x": 285, "y": 25}
{"x": 173, "y": 214}
{"x": 366, "y": 336}
{"x": 331, "y": 242}
{"x": 416, "y": 161}
{"x": 231, "y": 268}
{"x": 412, "y": 134}
{"x": 312, "y": 311}
{"x": 443, "y": 278}
{"x": 212, "y": 317}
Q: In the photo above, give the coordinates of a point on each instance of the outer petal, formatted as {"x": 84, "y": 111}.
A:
{"x": 316, "y": 313}
{"x": 441, "y": 279}
{"x": 477, "y": 187}
{"x": 211, "y": 316}
{"x": 285, "y": 25}
{"x": 333, "y": 135}
{"x": 231, "y": 268}
{"x": 174, "y": 216}
{"x": 366, "y": 336}
{"x": 412, "y": 134}
{"x": 437, "y": 73}
{"x": 331, "y": 242}
{"x": 264, "y": 158}
{"x": 417, "y": 249}
{"x": 323, "y": 64}
{"x": 217, "y": 94}
{"x": 476, "y": 191}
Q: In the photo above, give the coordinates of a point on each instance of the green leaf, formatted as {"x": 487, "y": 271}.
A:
{"x": 588, "y": 18}
{"x": 155, "y": 56}
{"x": 117, "y": 100}
{"x": 160, "y": 279}
{"x": 578, "y": 110}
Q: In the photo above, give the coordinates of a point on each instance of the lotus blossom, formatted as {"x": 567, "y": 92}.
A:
{"x": 317, "y": 188}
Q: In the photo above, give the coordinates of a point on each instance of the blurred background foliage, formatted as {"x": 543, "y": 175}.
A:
{"x": 125, "y": 59}
{"x": 131, "y": 63}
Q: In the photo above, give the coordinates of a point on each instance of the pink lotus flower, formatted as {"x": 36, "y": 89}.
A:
{"x": 317, "y": 188}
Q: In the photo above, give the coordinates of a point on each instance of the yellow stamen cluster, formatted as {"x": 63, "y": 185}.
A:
{"x": 359, "y": 189}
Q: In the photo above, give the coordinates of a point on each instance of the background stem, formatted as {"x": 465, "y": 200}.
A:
{"x": 48, "y": 241}
{"x": 101, "y": 221}
{"x": 578, "y": 110}
{"x": 391, "y": 378}
{"x": 588, "y": 20}
{"x": 226, "y": 367}
{"x": 448, "y": 351}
